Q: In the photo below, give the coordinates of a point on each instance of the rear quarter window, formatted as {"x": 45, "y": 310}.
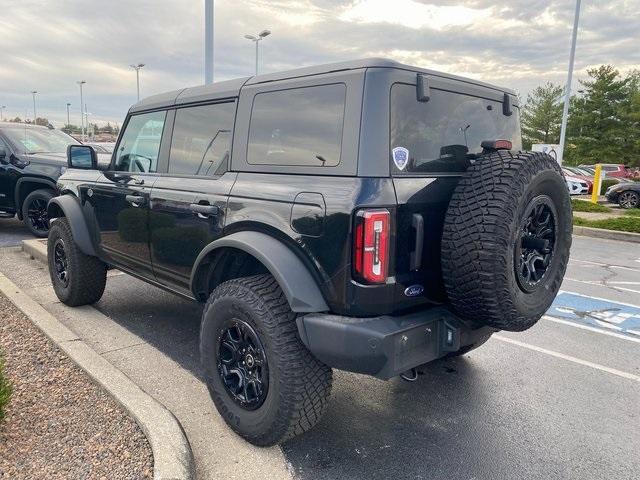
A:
{"x": 297, "y": 127}
{"x": 441, "y": 135}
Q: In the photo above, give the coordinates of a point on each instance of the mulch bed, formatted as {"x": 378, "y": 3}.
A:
{"x": 59, "y": 424}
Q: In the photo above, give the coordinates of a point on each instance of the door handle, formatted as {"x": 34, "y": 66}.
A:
{"x": 136, "y": 200}
{"x": 204, "y": 211}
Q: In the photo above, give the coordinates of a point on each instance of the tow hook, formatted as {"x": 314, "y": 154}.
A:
{"x": 410, "y": 375}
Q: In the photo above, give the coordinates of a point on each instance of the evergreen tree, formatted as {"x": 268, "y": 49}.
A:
{"x": 542, "y": 116}
{"x": 599, "y": 131}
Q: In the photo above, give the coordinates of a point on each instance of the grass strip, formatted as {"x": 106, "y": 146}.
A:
{"x": 622, "y": 224}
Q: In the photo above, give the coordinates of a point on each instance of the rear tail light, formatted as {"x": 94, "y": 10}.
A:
{"x": 371, "y": 245}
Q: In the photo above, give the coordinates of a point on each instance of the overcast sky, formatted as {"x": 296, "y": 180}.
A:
{"x": 47, "y": 45}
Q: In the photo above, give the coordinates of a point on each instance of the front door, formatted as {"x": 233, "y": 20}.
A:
{"x": 121, "y": 195}
{"x": 188, "y": 204}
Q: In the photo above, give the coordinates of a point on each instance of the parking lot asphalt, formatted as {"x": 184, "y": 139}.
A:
{"x": 561, "y": 400}
{"x": 12, "y": 232}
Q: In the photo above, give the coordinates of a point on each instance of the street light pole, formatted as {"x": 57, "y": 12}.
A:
{"x": 567, "y": 98}
{"x": 137, "y": 69}
{"x": 256, "y": 39}
{"x": 2, "y": 107}
{"x": 68, "y": 119}
{"x": 81, "y": 82}
{"x": 208, "y": 41}
{"x": 35, "y": 115}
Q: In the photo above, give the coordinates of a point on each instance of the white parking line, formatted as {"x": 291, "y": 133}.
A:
{"x": 586, "y": 363}
{"x": 592, "y": 329}
{"x": 599, "y": 283}
{"x": 600, "y": 264}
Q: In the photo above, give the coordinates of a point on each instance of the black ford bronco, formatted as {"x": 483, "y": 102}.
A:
{"x": 31, "y": 160}
{"x": 366, "y": 216}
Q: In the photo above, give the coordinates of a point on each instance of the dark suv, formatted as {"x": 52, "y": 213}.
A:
{"x": 367, "y": 216}
{"x": 31, "y": 160}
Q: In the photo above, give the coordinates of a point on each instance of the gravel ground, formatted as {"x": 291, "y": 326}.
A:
{"x": 59, "y": 424}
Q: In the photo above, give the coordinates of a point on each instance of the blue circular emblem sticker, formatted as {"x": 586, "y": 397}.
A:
{"x": 400, "y": 157}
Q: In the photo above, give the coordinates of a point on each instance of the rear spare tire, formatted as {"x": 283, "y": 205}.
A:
{"x": 506, "y": 239}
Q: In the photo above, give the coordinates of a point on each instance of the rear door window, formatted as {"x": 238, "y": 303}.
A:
{"x": 300, "y": 126}
{"x": 201, "y": 141}
{"x": 443, "y": 134}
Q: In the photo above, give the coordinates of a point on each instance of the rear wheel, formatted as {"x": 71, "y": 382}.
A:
{"x": 264, "y": 382}
{"x": 34, "y": 212}
{"x": 629, "y": 199}
{"x": 77, "y": 279}
{"x": 506, "y": 239}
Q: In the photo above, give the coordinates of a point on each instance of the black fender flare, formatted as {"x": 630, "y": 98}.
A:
{"x": 26, "y": 179}
{"x": 292, "y": 275}
{"x": 70, "y": 206}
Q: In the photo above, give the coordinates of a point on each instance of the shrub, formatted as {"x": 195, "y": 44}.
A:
{"x": 623, "y": 224}
{"x": 586, "y": 206}
{"x": 5, "y": 389}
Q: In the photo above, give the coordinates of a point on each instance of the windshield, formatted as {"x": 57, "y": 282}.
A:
{"x": 445, "y": 133}
{"x": 39, "y": 140}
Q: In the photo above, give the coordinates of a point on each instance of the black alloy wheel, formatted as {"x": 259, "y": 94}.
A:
{"x": 534, "y": 249}
{"x": 37, "y": 215}
{"x": 242, "y": 364}
{"x": 60, "y": 262}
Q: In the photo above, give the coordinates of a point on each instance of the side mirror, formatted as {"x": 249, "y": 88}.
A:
{"x": 82, "y": 156}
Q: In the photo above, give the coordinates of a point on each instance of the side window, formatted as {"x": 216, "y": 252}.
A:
{"x": 300, "y": 126}
{"x": 140, "y": 143}
{"x": 201, "y": 140}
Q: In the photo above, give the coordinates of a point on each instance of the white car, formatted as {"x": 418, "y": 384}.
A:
{"x": 577, "y": 186}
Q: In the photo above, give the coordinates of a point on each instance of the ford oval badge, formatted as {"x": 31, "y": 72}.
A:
{"x": 414, "y": 290}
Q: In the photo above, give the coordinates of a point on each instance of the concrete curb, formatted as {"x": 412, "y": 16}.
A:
{"x": 172, "y": 456}
{"x": 608, "y": 234}
{"x": 36, "y": 248}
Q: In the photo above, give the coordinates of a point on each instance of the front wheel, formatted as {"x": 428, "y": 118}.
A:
{"x": 264, "y": 382}
{"x": 34, "y": 212}
{"x": 77, "y": 279}
{"x": 629, "y": 199}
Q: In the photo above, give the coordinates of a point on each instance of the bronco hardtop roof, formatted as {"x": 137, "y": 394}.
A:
{"x": 231, "y": 88}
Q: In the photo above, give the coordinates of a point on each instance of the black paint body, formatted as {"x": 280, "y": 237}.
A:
{"x": 21, "y": 173}
{"x": 310, "y": 209}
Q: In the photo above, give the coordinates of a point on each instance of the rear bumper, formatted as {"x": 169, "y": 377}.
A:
{"x": 385, "y": 346}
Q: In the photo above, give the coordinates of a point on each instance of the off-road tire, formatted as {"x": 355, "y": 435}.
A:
{"x": 299, "y": 385}
{"x": 43, "y": 196}
{"x": 87, "y": 275}
{"x": 482, "y": 229}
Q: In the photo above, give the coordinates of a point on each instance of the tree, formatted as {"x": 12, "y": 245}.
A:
{"x": 599, "y": 130}
{"x": 542, "y": 115}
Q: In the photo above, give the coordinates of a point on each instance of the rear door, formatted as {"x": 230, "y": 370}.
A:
{"x": 431, "y": 145}
{"x": 188, "y": 203}
{"x": 120, "y": 197}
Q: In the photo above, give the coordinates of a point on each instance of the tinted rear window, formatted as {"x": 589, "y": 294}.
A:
{"x": 439, "y": 135}
{"x": 300, "y": 126}
{"x": 202, "y": 139}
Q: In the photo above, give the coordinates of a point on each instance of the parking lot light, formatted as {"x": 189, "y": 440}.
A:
{"x": 137, "y": 69}
{"x": 81, "y": 82}
{"x": 256, "y": 39}
{"x": 35, "y": 115}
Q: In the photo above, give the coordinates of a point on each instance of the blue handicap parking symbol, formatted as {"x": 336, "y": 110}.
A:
{"x": 596, "y": 312}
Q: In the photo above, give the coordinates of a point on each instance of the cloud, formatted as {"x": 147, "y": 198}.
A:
{"x": 49, "y": 45}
